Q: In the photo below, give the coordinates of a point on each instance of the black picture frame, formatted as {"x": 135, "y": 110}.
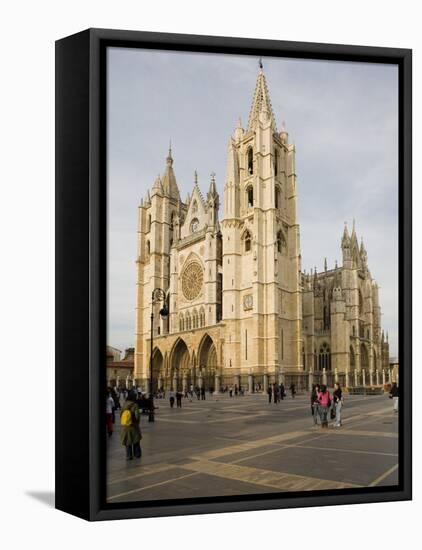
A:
{"x": 81, "y": 270}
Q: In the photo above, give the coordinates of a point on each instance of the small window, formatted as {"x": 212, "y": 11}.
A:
{"x": 148, "y": 249}
{"x": 277, "y": 196}
{"x": 281, "y": 242}
{"x": 247, "y": 241}
{"x": 275, "y": 162}
{"x": 250, "y": 161}
{"x": 249, "y": 196}
{"x": 149, "y": 223}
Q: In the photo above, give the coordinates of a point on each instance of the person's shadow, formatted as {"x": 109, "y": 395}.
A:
{"x": 45, "y": 497}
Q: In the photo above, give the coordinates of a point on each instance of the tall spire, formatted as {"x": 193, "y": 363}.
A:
{"x": 345, "y": 241}
{"x": 169, "y": 179}
{"x": 261, "y": 102}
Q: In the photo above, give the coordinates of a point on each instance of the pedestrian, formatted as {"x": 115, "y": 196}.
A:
{"x": 231, "y": 391}
{"x": 236, "y": 389}
{"x": 270, "y": 393}
{"x": 198, "y": 392}
{"x": 394, "y": 395}
{"x": 109, "y": 413}
{"x": 131, "y": 431}
{"x": 275, "y": 394}
{"x": 179, "y": 396}
{"x": 324, "y": 403}
{"x": 337, "y": 404}
{"x": 282, "y": 391}
{"x": 172, "y": 395}
{"x": 314, "y": 403}
{"x": 203, "y": 393}
{"x": 293, "y": 390}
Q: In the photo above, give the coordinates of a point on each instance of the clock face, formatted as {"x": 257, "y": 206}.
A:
{"x": 192, "y": 280}
{"x": 248, "y": 301}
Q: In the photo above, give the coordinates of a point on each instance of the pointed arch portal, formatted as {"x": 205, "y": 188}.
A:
{"x": 207, "y": 361}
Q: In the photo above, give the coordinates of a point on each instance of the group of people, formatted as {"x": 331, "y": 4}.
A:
{"x": 277, "y": 392}
{"x": 323, "y": 405}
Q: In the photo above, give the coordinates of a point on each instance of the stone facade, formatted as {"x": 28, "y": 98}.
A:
{"x": 241, "y": 311}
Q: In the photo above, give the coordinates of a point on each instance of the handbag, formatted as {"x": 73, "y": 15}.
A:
{"x": 332, "y": 414}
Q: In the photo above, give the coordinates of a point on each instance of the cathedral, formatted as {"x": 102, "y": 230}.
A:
{"x": 240, "y": 309}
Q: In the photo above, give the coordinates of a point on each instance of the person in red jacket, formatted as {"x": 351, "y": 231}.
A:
{"x": 324, "y": 400}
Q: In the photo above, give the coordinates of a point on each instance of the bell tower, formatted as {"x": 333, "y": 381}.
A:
{"x": 261, "y": 248}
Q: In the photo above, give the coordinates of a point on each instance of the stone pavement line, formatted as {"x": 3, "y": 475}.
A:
{"x": 249, "y": 445}
{"x": 265, "y": 478}
{"x": 146, "y": 471}
{"x": 299, "y": 446}
{"x": 367, "y": 433}
{"x": 230, "y": 419}
{"x": 138, "y": 490}
{"x": 384, "y": 475}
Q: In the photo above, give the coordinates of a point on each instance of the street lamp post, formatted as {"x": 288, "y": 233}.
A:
{"x": 158, "y": 295}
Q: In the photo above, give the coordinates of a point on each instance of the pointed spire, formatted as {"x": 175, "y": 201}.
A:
{"x": 345, "y": 241}
{"x": 195, "y": 177}
{"x": 325, "y": 264}
{"x": 336, "y": 265}
{"x": 169, "y": 158}
{"x": 170, "y": 186}
{"x": 261, "y": 102}
{"x": 158, "y": 186}
{"x": 213, "y": 189}
{"x": 362, "y": 247}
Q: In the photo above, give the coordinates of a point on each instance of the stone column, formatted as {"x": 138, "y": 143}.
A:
{"x": 280, "y": 377}
{"x": 347, "y": 379}
{"x": 237, "y": 380}
{"x": 377, "y": 377}
{"x": 363, "y": 378}
{"x": 175, "y": 382}
{"x": 250, "y": 383}
{"x": 310, "y": 380}
{"x": 324, "y": 377}
{"x": 371, "y": 378}
{"x": 383, "y": 377}
{"x": 217, "y": 384}
{"x": 265, "y": 383}
{"x": 200, "y": 380}
{"x": 184, "y": 383}
{"x": 336, "y": 375}
{"x": 356, "y": 377}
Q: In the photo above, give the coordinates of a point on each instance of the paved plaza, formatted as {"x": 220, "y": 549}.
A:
{"x": 242, "y": 445}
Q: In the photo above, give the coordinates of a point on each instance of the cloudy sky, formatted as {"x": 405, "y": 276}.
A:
{"x": 342, "y": 117}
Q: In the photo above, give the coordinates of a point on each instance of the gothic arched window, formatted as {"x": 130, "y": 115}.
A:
{"x": 352, "y": 358}
{"x": 247, "y": 239}
{"x": 324, "y": 359}
{"x": 250, "y": 161}
{"x": 195, "y": 319}
{"x": 281, "y": 241}
{"x": 149, "y": 223}
{"x": 360, "y": 304}
{"x": 277, "y": 196}
{"x": 275, "y": 162}
{"x": 181, "y": 322}
{"x": 202, "y": 317}
{"x": 249, "y": 196}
